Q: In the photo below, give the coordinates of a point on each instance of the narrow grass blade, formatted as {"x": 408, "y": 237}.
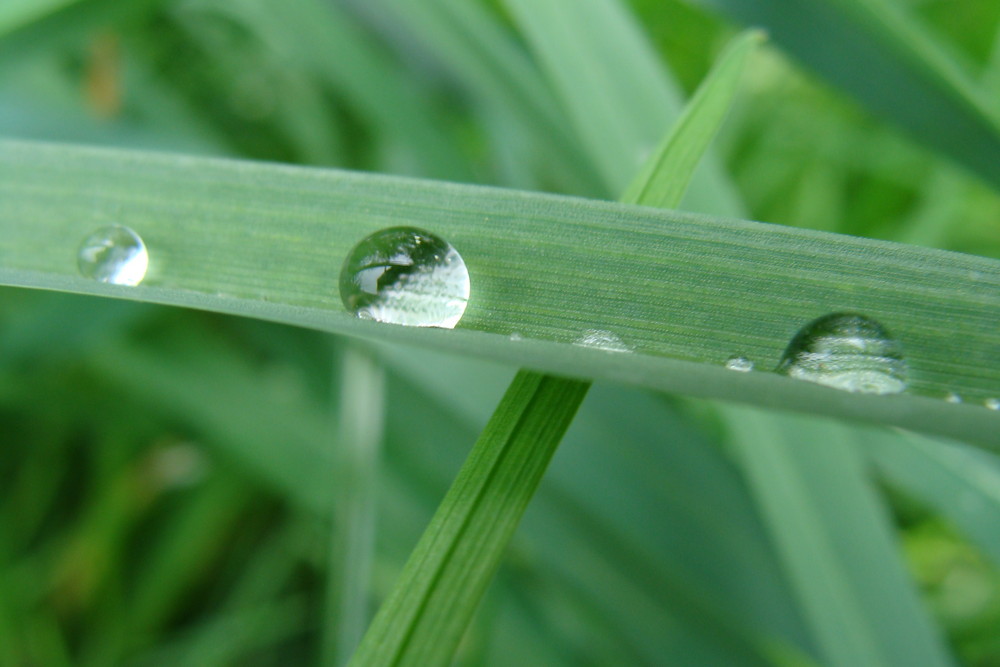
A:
{"x": 961, "y": 483}
{"x": 614, "y": 90}
{"x": 423, "y": 620}
{"x": 881, "y": 55}
{"x": 353, "y": 537}
{"x": 662, "y": 182}
{"x": 835, "y": 539}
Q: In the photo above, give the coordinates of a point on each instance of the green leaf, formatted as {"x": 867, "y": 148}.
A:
{"x": 885, "y": 58}
{"x": 615, "y": 91}
{"x": 423, "y": 620}
{"x": 685, "y": 292}
{"x": 664, "y": 178}
{"x": 836, "y": 541}
{"x": 961, "y": 483}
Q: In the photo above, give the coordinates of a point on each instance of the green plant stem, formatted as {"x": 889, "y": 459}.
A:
{"x": 352, "y": 544}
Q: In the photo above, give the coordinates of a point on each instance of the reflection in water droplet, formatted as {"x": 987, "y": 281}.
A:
{"x": 407, "y": 276}
{"x": 113, "y": 255}
{"x": 846, "y": 351}
{"x": 952, "y": 397}
{"x": 601, "y": 340}
{"x": 992, "y": 403}
{"x": 738, "y": 363}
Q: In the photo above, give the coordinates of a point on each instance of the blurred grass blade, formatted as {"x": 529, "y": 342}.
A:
{"x": 835, "y": 539}
{"x": 352, "y": 546}
{"x": 614, "y": 90}
{"x": 423, "y": 620}
{"x": 961, "y": 483}
{"x": 885, "y": 58}
{"x": 474, "y": 48}
{"x": 17, "y": 13}
{"x": 686, "y": 292}
{"x": 665, "y": 177}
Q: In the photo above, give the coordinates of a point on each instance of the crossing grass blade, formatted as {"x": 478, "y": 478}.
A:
{"x": 424, "y": 619}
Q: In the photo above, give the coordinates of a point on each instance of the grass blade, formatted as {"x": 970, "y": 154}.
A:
{"x": 685, "y": 291}
{"x": 662, "y": 182}
{"x": 882, "y": 56}
{"x": 961, "y": 483}
{"x": 836, "y": 541}
{"x": 353, "y": 536}
{"x": 614, "y": 90}
{"x": 423, "y": 620}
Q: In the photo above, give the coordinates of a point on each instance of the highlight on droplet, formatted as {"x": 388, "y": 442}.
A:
{"x": 114, "y": 255}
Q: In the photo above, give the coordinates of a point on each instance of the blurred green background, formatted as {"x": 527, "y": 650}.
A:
{"x": 169, "y": 479}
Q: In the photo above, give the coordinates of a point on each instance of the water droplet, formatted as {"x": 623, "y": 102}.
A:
{"x": 992, "y": 403}
{"x": 113, "y": 255}
{"x": 738, "y": 363}
{"x": 601, "y": 340}
{"x": 846, "y": 351}
{"x": 516, "y": 337}
{"x": 407, "y": 276}
{"x": 952, "y": 397}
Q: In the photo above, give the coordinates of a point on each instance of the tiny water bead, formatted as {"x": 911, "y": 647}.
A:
{"x": 739, "y": 363}
{"x": 408, "y": 276}
{"x": 601, "y": 340}
{"x": 992, "y": 403}
{"x": 952, "y": 397}
{"x": 846, "y": 351}
{"x": 115, "y": 255}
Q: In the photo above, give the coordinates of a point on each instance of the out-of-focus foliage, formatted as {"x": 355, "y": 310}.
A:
{"x": 168, "y": 478}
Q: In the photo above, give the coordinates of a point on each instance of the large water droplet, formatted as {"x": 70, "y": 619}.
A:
{"x": 739, "y": 363}
{"x": 846, "y": 351}
{"x": 404, "y": 275}
{"x": 602, "y": 340}
{"x": 113, "y": 255}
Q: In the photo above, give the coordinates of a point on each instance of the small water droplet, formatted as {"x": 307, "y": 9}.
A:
{"x": 739, "y": 363}
{"x": 404, "y": 275}
{"x": 952, "y": 397}
{"x": 992, "y": 403}
{"x": 516, "y": 337}
{"x": 601, "y": 340}
{"x": 113, "y": 255}
{"x": 846, "y": 351}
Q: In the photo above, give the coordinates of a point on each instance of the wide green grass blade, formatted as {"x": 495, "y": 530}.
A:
{"x": 685, "y": 292}
{"x": 423, "y": 620}
{"x": 961, "y": 483}
{"x": 835, "y": 539}
{"x": 882, "y": 56}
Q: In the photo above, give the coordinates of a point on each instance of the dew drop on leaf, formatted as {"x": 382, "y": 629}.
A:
{"x": 992, "y": 403}
{"x": 404, "y": 275}
{"x": 739, "y": 363}
{"x": 846, "y": 351}
{"x": 601, "y": 340}
{"x": 115, "y": 255}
